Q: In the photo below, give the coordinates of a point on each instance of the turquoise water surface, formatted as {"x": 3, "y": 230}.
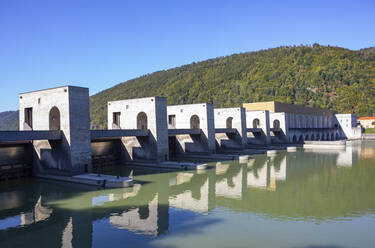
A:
{"x": 319, "y": 198}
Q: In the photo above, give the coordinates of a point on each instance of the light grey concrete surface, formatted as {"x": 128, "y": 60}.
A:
{"x": 184, "y": 115}
{"x": 278, "y": 128}
{"x": 72, "y": 154}
{"x": 349, "y": 126}
{"x": 291, "y": 149}
{"x": 108, "y": 181}
{"x": 228, "y": 120}
{"x": 155, "y": 146}
{"x": 177, "y": 165}
{"x": 101, "y": 180}
{"x": 256, "y": 120}
{"x": 339, "y": 144}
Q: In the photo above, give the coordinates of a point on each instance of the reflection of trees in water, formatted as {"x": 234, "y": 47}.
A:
{"x": 231, "y": 172}
{"x": 73, "y": 212}
{"x": 230, "y": 183}
{"x": 35, "y": 214}
{"x": 141, "y": 220}
{"x": 194, "y": 185}
{"x": 258, "y": 164}
{"x": 143, "y": 212}
{"x": 315, "y": 189}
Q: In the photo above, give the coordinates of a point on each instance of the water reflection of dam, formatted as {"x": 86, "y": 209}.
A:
{"x": 68, "y": 215}
{"x": 229, "y": 180}
{"x": 143, "y": 220}
{"x": 344, "y": 157}
{"x": 141, "y": 209}
{"x": 36, "y": 214}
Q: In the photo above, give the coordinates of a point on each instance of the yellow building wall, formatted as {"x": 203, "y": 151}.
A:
{"x": 270, "y": 106}
{"x": 288, "y": 108}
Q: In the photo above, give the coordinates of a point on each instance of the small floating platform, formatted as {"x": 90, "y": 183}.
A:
{"x": 243, "y": 159}
{"x": 108, "y": 181}
{"x": 171, "y": 165}
{"x": 271, "y": 152}
{"x": 209, "y": 157}
{"x": 249, "y": 151}
{"x": 101, "y": 180}
{"x": 291, "y": 149}
{"x": 185, "y": 165}
{"x": 339, "y": 144}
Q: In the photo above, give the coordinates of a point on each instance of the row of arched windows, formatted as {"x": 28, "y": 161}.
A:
{"x": 142, "y": 122}
{"x": 256, "y": 123}
{"x": 194, "y": 121}
{"x": 54, "y": 121}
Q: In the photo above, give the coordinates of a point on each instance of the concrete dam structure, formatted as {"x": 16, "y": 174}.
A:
{"x": 196, "y": 117}
{"x": 289, "y": 123}
{"x": 64, "y": 110}
{"x": 55, "y": 140}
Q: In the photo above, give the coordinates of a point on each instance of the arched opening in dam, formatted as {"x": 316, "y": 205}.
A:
{"x": 142, "y": 121}
{"x": 54, "y": 119}
{"x": 229, "y": 122}
{"x": 194, "y": 122}
{"x": 256, "y": 123}
{"x": 276, "y": 124}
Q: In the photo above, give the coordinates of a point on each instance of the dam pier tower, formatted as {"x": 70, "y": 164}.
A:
{"x": 64, "y": 109}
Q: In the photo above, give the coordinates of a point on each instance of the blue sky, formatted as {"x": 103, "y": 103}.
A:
{"x": 98, "y": 44}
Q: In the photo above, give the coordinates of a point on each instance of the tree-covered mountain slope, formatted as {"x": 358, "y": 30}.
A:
{"x": 9, "y": 120}
{"x": 318, "y": 76}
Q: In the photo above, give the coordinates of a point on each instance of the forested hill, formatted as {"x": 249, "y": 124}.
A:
{"x": 9, "y": 120}
{"x": 318, "y": 76}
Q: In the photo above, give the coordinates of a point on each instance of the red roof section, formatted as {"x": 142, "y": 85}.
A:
{"x": 367, "y": 118}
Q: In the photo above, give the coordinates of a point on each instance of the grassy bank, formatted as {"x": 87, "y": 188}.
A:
{"x": 370, "y": 130}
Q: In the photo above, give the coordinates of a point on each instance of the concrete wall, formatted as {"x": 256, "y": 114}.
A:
{"x": 154, "y": 147}
{"x": 308, "y": 127}
{"x": 348, "y": 125}
{"x": 301, "y": 122}
{"x": 264, "y": 124}
{"x": 183, "y": 114}
{"x": 237, "y": 140}
{"x": 72, "y": 154}
{"x": 16, "y": 154}
{"x": 279, "y": 136}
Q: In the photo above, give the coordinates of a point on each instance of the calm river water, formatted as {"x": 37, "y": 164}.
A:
{"x": 315, "y": 199}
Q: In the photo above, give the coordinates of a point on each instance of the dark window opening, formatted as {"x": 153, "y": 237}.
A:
{"x": 172, "y": 120}
{"x": 116, "y": 119}
{"x": 29, "y": 117}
